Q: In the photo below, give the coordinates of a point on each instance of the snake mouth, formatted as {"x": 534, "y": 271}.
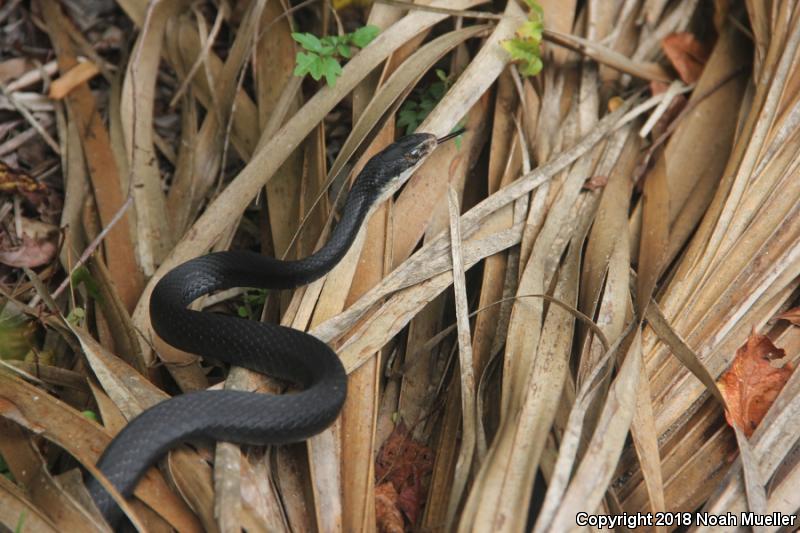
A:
{"x": 451, "y": 135}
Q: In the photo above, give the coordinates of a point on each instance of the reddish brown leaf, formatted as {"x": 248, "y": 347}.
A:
{"x": 387, "y": 513}
{"x": 404, "y": 463}
{"x": 687, "y": 55}
{"x": 658, "y": 87}
{"x": 752, "y": 383}
{"x": 792, "y": 315}
{"x": 595, "y": 182}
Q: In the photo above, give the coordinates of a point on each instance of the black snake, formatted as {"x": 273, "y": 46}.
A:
{"x": 284, "y": 353}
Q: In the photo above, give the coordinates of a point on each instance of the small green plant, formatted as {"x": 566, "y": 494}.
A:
{"x": 322, "y": 56}
{"x": 77, "y": 316}
{"x": 252, "y": 300}
{"x": 82, "y": 275}
{"x": 417, "y": 108}
{"x": 525, "y": 48}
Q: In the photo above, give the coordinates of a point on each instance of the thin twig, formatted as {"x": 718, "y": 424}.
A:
{"x": 87, "y": 253}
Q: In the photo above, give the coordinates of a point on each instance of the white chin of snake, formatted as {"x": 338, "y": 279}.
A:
{"x": 393, "y": 186}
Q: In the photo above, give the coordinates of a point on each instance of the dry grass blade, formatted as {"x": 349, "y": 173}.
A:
{"x": 468, "y": 407}
{"x": 679, "y": 348}
{"x": 594, "y": 472}
{"x": 607, "y": 56}
{"x": 18, "y": 512}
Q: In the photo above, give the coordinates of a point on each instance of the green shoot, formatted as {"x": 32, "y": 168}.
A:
{"x": 525, "y": 48}
{"x": 91, "y": 415}
{"x": 253, "y": 300}
{"x": 77, "y": 316}
{"x": 322, "y": 56}
{"x": 82, "y": 275}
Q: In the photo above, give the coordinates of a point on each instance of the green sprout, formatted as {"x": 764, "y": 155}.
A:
{"x": 252, "y": 300}
{"x": 322, "y": 56}
{"x": 525, "y": 48}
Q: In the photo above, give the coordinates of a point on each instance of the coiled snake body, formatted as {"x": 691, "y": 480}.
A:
{"x": 285, "y": 353}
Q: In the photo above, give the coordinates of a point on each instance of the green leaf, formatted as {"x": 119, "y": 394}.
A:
{"x": 329, "y": 44}
{"x": 304, "y": 61}
{"x": 82, "y": 275}
{"x": 442, "y": 75}
{"x": 91, "y": 415}
{"x": 344, "y": 50}
{"x": 517, "y": 50}
{"x": 364, "y": 35}
{"x": 536, "y": 10}
{"x": 531, "y": 68}
{"x": 76, "y": 316}
{"x": 408, "y": 119}
{"x": 20, "y": 523}
{"x": 531, "y": 30}
{"x": 309, "y": 41}
{"x": 243, "y": 312}
{"x": 437, "y": 90}
{"x": 331, "y": 69}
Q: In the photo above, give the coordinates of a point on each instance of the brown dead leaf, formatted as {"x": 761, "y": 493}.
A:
{"x": 10, "y": 411}
{"x": 792, "y": 315}
{"x": 387, "y": 514}
{"x": 752, "y": 383}
{"x": 404, "y": 462}
{"x": 595, "y": 182}
{"x": 687, "y": 55}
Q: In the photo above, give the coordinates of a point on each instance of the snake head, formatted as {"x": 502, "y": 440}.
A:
{"x": 407, "y": 151}
{"x": 385, "y": 170}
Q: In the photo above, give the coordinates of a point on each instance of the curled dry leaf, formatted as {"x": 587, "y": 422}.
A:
{"x": 36, "y": 246}
{"x": 752, "y": 383}
{"x": 404, "y": 462}
{"x": 687, "y": 55}
{"x": 387, "y": 513}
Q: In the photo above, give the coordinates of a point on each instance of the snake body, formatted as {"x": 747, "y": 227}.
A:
{"x": 284, "y": 353}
